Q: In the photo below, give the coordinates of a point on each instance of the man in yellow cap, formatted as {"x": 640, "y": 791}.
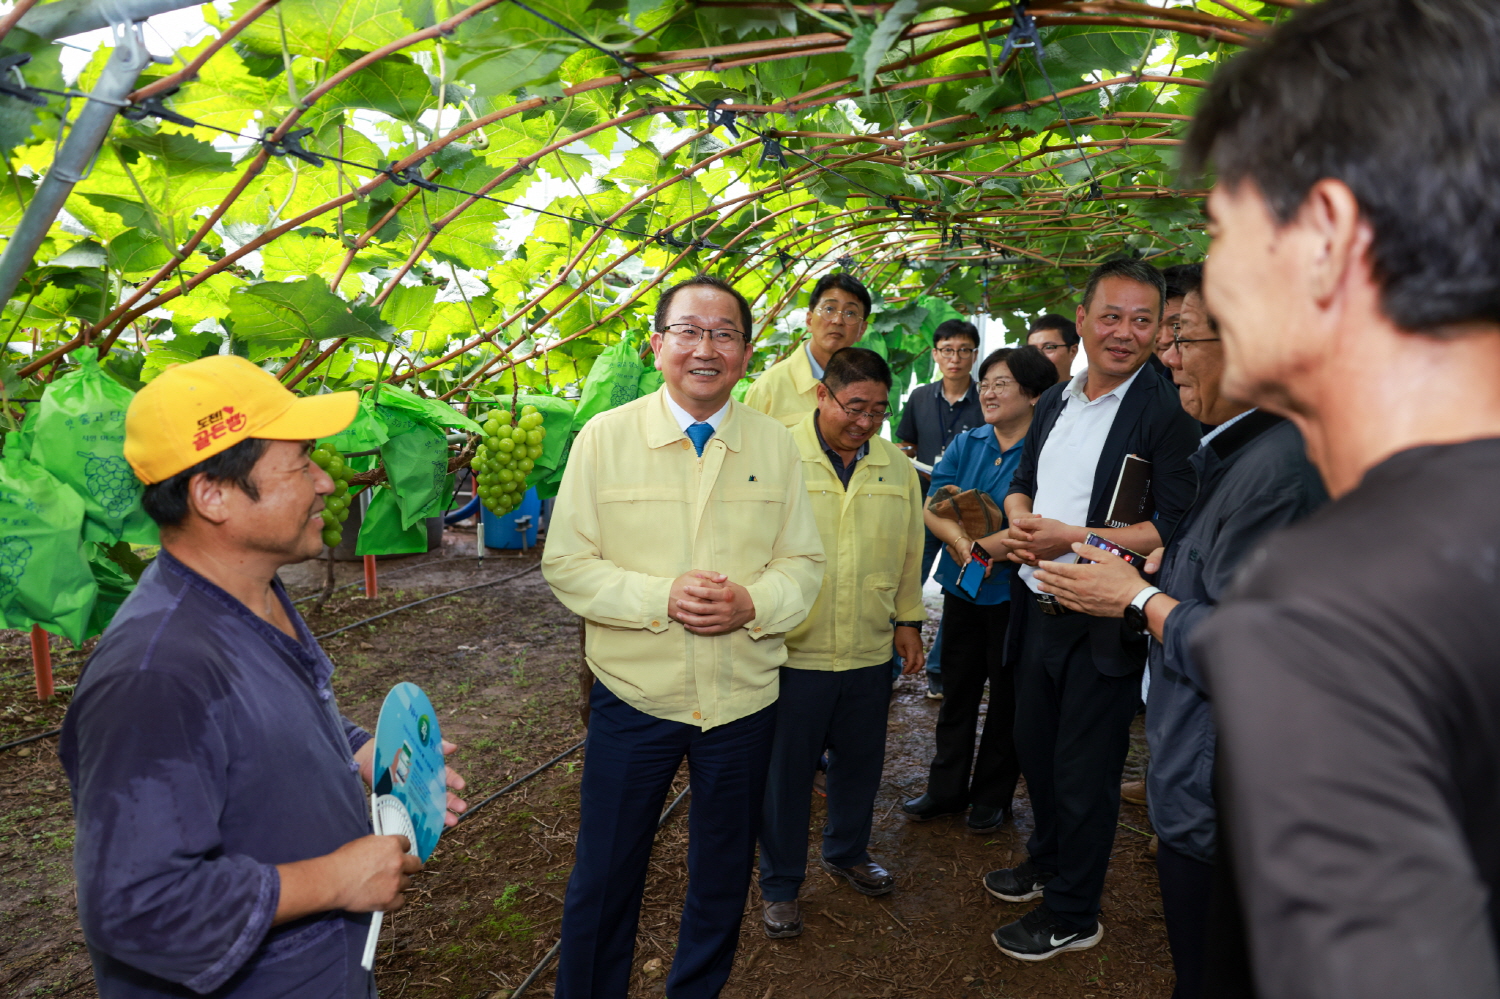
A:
{"x": 222, "y": 833}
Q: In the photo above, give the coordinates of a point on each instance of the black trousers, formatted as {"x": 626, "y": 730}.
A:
{"x": 1186, "y": 887}
{"x": 630, "y": 760}
{"x": 973, "y": 655}
{"x": 1072, "y": 733}
{"x": 846, "y": 713}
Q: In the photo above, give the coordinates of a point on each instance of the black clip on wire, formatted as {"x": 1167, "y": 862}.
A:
{"x": 152, "y": 107}
{"x": 770, "y": 149}
{"x": 411, "y": 175}
{"x": 290, "y": 144}
{"x": 665, "y": 236}
{"x": 785, "y": 259}
{"x": 720, "y": 114}
{"x": 1023, "y": 35}
{"x": 12, "y": 64}
{"x": 847, "y": 263}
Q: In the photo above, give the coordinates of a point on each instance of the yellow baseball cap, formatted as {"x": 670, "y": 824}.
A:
{"x": 193, "y": 411}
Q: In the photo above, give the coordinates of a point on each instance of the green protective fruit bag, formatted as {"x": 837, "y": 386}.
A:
{"x": 44, "y": 574}
{"x": 381, "y": 532}
{"x": 548, "y": 482}
{"x": 558, "y": 419}
{"x": 416, "y": 464}
{"x": 79, "y": 436}
{"x": 432, "y": 411}
{"x": 614, "y": 380}
{"x": 367, "y": 432}
{"x": 651, "y": 380}
{"x": 114, "y": 585}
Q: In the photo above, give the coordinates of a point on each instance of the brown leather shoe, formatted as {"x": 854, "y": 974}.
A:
{"x": 1134, "y": 791}
{"x": 868, "y": 878}
{"x": 781, "y": 919}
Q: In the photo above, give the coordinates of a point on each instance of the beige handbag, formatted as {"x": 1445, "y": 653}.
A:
{"x": 970, "y": 509}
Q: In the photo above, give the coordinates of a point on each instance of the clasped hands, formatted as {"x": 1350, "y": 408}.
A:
{"x": 707, "y": 603}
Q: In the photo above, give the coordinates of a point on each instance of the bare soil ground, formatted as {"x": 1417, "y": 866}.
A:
{"x": 501, "y": 665}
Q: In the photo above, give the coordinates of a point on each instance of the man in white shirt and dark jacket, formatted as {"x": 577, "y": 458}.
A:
{"x": 1078, "y": 677}
{"x": 1253, "y": 477}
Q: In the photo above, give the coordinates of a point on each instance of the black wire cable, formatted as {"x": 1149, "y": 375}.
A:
{"x": 727, "y": 118}
{"x": 542, "y": 965}
{"x": 290, "y": 145}
{"x": 469, "y": 813}
{"x": 425, "y": 600}
{"x": 30, "y": 738}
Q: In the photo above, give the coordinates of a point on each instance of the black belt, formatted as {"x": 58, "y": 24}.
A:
{"x": 1048, "y": 604}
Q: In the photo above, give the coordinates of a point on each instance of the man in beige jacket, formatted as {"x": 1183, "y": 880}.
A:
{"x": 684, "y": 537}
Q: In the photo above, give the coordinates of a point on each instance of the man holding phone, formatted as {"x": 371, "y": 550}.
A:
{"x": 1078, "y": 677}
{"x": 1253, "y": 477}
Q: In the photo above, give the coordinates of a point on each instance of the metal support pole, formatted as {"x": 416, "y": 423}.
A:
{"x": 74, "y": 156}
{"x": 73, "y": 17}
{"x": 370, "y": 584}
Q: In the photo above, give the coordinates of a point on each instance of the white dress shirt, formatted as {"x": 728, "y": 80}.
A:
{"x": 686, "y": 419}
{"x": 1065, "y": 468}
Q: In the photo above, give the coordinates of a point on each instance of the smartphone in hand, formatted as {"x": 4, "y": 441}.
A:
{"x": 1136, "y": 559}
{"x": 972, "y": 577}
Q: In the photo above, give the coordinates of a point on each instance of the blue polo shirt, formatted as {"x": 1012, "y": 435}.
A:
{"x": 974, "y": 461}
{"x": 204, "y": 747}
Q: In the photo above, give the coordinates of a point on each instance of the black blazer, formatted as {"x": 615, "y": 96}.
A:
{"x": 1150, "y": 422}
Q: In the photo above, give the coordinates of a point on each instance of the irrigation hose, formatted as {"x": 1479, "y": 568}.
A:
{"x": 30, "y": 738}
{"x": 551, "y": 955}
{"x": 469, "y": 814}
{"x": 405, "y": 606}
{"x": 424, "y": 600}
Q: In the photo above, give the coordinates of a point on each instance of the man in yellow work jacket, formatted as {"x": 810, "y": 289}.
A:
{"x": 684, "y": 537}
{"x": 837, "y": 311}
{"x": 836, "y": 684}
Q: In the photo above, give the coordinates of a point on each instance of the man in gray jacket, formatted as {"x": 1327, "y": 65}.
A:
{"x": 1253, "y": 477}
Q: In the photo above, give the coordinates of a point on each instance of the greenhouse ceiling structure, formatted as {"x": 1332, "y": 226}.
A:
{"x": 482, "y": 198}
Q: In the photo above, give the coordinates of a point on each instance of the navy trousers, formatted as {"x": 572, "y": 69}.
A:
{"x": 631, "y": 758}
{"x": 1186, "y": 889}
{"x": 845, "y": 712}
{"x": 1072, "y": 736}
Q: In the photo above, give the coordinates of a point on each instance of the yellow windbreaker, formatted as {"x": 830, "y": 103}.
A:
{"x": 872, "y": 539}
{"x": 637, "y": 508}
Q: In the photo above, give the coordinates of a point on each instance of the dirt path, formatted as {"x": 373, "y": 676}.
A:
{"x": 500, "y": 664}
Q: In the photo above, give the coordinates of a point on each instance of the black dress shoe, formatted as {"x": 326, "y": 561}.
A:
{"x": 868, "y": 878}
{"x": 987, "y": 818}
{"x": 926, "y": 807}
{"x": 781, "y": 919}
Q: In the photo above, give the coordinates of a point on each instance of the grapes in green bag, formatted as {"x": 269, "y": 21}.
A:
{"x": 336, "y": 504}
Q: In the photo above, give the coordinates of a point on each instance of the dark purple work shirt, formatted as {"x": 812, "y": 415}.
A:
{"x": 204, "y": 747}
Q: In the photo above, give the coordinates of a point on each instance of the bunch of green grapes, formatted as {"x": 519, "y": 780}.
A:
{"x": 336, "y": 505}
{"x": 507, "y": 456}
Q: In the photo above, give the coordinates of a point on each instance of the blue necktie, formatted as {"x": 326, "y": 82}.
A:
{"x": 699, "y": 433}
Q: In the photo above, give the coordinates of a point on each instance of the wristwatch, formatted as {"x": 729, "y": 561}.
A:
{"x": 910, "y": 624}
{"x": 1135, "y": 611}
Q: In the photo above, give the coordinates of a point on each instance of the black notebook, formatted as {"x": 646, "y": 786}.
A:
{"x": 1132, "y": 500}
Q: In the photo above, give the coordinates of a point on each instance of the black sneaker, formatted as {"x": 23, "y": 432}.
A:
{"x": 1018, "y": 884}
{"x": 1038, "y": 935}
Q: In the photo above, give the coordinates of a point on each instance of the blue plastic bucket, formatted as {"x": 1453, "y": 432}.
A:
{"x": 500, "y": 532}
